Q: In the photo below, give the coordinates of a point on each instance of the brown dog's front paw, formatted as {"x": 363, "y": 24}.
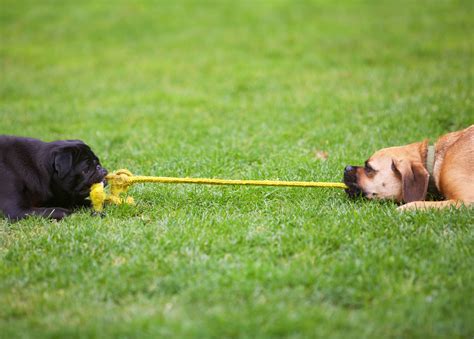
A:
{"x": 426, "y": 205}
{"x": 411, "y": 206}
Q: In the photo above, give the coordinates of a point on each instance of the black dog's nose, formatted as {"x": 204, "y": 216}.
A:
{"x": 348, "y": 168}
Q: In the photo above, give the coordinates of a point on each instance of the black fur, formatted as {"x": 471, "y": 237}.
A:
{"x": 47, "y": 179}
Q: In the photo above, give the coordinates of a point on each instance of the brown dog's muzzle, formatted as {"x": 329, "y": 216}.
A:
{"x": 350, "y": 179}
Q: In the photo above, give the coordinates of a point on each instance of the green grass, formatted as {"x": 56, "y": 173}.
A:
{"x": 240, "y": 90}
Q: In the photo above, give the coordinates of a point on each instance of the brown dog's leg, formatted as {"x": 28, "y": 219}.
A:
{"x": 424, "y": 205}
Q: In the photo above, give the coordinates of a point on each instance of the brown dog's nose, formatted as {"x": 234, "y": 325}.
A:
{"x": 350, "y": 179}
{"x": 350, "y": 174}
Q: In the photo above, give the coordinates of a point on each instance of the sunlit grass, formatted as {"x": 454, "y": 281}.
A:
{"x": 242, "y": 90}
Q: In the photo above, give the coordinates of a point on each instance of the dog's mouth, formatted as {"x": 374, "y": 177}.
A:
{"x": 100, "y": 176}
{"x": 350, "y": 179}
{"x": 354, "y": 191}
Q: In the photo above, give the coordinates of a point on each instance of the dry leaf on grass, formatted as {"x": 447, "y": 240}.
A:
{"x": 321, "y": 155}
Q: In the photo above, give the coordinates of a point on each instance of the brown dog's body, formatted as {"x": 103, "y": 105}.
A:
{"x": 404, "y": 173}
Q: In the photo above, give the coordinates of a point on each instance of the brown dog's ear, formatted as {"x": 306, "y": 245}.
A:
{"x": 415, "y": 180}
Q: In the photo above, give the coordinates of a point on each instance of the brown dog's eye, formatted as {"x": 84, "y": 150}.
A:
{"x": 368, "y": 169}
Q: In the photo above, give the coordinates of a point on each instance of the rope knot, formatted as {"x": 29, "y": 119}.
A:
{"x": 120, "y": 178}
{"x": 119, "y": 183}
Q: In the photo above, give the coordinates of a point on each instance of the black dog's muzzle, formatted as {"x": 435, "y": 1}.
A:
{"x": 103, "y": 174}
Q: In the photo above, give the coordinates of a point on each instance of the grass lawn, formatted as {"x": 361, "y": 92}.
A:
{"x": 238, "y": 90}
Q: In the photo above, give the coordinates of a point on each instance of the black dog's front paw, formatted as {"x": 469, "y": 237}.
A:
{"x": 98, "y": 214}
{"x": 52, "y": 212}
{"x": 56, "y": 213}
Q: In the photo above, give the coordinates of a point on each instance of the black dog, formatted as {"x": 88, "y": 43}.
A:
{"x": 47, "y": 179}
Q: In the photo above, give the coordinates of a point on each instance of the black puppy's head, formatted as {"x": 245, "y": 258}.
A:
{"x": 75, "y": 169}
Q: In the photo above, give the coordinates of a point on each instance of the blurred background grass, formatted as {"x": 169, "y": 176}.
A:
{"x": 255, "y": 79}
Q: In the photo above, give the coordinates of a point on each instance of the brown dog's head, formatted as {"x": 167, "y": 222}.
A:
{"x": 395, "y": 173}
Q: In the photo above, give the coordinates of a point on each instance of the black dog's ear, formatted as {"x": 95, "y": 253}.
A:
{"x": 63, "y": 163}
{"x": 415, "y": 180}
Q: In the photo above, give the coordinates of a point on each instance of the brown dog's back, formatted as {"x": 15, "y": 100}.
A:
{"x": 455, "y": 166}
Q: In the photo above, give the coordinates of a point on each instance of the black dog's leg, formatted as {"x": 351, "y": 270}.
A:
{"x": 50, "y": 212}
{"x": 14, "y": 205}
{"x": 12, "y": 209}
{"x": 15, "y": 213}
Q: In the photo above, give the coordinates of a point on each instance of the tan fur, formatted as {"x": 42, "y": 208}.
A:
{"x": 400, "y": 172}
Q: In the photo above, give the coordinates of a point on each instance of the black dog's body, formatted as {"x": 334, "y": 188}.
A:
{"x": 48, "y": 179}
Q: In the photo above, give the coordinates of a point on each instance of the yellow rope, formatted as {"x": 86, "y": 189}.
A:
{"x": 120, "y": 181}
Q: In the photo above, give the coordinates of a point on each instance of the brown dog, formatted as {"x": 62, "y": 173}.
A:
{"x": 407, "y": 173}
